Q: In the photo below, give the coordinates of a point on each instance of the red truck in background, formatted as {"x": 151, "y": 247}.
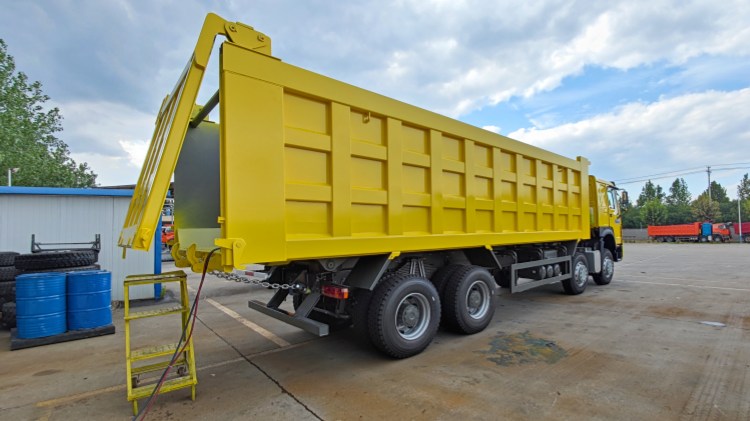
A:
{"x": 697, "y": 231}
{"x": 722, "y": 232}
{"x": 167, "y": 236}
{"x": 743, "y": 230}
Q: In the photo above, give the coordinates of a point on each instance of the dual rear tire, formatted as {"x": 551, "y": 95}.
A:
{"x": 404, "y": 315}
{"x": 405, "y": 311}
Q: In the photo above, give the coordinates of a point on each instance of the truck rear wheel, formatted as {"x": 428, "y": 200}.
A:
{"x": 442, "y": 275}
{"x": 608, "y": 269}
{"x": 404, "y": 315}
{"x": 576, "y": 284}
{"x": 468, "y": 304}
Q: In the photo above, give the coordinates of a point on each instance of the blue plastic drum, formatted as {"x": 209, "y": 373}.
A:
{"x": 40, "y": 304}
{"x": 89, "y": 299}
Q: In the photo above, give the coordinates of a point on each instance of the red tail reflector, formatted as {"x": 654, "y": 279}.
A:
{"x": 335, "y": 291}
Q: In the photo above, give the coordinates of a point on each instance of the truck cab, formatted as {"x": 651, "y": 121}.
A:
{"x": 721, "y": 232}
{"x": 606, "y": 217}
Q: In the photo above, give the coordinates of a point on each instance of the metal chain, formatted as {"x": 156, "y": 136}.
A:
{"x": 237, "y": 278}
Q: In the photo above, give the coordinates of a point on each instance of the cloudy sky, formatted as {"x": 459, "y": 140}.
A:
{"x": 643, "y": 89}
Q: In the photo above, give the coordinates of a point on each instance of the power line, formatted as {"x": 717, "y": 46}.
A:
{"x": 678, "y": 173}
{"x": 736, "y": 163}
{"x": 641, "y": 180}
{"x": 667, "y": 174}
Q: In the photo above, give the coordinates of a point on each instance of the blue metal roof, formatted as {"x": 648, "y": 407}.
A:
{"x": 64, "y": 191}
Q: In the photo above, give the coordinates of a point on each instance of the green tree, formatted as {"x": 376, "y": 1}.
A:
{"x": 743, "y": 194}
{"x": 27, "y": 134}
{"x": 678, "y": 193}
{"x": 631, "y": 216}
{"x": 718, "y": 193}
{"x": 650, "y": 192}
{"x": 678, "y": 203}
{"x": 705, "y": 210}
{"x": 728, "y": 211}
{"x": 654, "y": 212}
{"x": 743, "y": 189}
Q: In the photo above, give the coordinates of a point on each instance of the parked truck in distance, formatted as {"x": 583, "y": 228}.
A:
{"x": 695, "y": 232}
{"x": 365, "y": 212}
{"x": 743, "y": 231}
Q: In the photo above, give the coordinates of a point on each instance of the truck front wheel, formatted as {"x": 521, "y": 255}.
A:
{"x": 576, "y": 284}
{"x": 404, "y": 315}
{"x": 468, "y": 303}
{"x": 608, "y": 269}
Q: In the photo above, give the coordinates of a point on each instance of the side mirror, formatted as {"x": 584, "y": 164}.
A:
{"x": 624, "y": 196}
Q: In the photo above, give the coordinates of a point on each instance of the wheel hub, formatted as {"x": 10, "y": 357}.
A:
{"x": 411, "y": 315}
{"x": 581, "y": 275}
{"x": 475, "y": 299}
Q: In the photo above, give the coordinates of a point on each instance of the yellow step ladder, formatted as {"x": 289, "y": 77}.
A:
{"x": 184, "y": 365}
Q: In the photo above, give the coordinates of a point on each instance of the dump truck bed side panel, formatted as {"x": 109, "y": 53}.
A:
{"x": 315, "y": 168}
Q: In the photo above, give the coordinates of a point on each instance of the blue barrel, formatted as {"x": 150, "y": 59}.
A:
{"x": 89, "y": 299}
{"x": 40, "y": 304}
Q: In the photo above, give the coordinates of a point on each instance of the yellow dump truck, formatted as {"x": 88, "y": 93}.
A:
{"x": 363, "y": 210}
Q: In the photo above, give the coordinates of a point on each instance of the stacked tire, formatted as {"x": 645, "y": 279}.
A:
{"x": 14, "y": 264}
{"x": 8, "y": 274}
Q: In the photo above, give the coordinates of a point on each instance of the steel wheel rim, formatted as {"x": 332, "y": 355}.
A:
{"x": 581, "y": 274}
{"x": 609, "y": 268}
{"x": 478, "y": 300}
{"x": 412, "y": 316}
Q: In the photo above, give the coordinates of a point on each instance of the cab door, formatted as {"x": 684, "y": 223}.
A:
{"x": 614, "y": 213}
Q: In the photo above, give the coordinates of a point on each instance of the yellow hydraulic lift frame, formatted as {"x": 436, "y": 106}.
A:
{"x": 171, "y": 125}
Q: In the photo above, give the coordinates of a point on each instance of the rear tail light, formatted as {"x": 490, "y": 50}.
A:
{"x": 336, "y": 291}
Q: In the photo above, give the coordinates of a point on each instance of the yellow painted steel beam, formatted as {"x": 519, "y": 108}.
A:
{"x": 171, "y": 125}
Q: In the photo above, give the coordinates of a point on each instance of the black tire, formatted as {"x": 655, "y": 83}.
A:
{"x": 359, "y": 307}
{"x": 608, "y": 269}
{"x": 55, "y": 260}
{"x": 8, "y": 290}
{"x": 468, "y": 300}
{"x": 442, "y": 275}
{"x": 8, "y": 273}
{"x": 404, "y": 315}
{"x": 73, "y": 269}
{"x": 7, "y": 258}
{"x": 576, "y": 284}
{"x": 9, "y": 315}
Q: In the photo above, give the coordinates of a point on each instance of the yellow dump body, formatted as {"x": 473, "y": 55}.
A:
{"x": 307, "y": 167}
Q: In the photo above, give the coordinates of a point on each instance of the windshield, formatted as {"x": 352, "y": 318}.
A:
{"x": 614, "y": 200}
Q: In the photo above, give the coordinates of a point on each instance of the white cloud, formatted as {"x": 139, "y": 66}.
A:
{"x": 110, "y": 170}
{"x": 99, "y": 126}
{"x": 493, "y": 129}
{"x": 108, "y": 64}
{"x": 136, "y": 151}
{"x": 479, "y": 56}
{"x": 112, "y": 138}
{"x": 689, "y": 131}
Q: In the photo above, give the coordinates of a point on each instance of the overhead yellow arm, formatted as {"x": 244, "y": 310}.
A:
{"x": 171, "y": 125}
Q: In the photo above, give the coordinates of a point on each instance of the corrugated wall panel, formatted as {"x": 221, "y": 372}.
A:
{"x": 75, "y": 219}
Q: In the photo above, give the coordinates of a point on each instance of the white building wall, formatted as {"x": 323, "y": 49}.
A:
{"x": 77, "y": 218}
